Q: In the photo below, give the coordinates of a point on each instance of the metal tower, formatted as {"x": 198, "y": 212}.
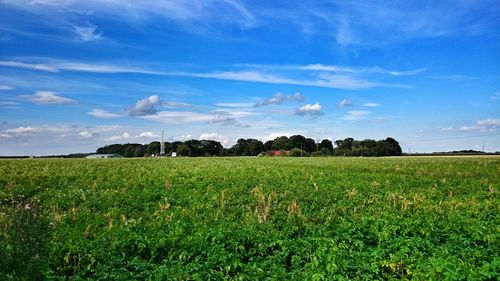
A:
{"x": 162, "y": 145}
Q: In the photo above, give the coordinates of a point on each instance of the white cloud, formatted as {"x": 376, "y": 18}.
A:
{"x": 489, "y": 124}
{"x": 23, "y": 130}
{"x": 106, "y": 128}
{"x": 46, "y": 97}
{"x": 86, "y": 134}
{"x": 124, "y": 136}
{"x": 216, "y": 137}
{"x": 372, "y": 104}
{"x": 145, "y": 106}
{"x": 354, "y": 115}
{"x": 101, "y": 113}
{"x": 281, "y": 98}
{"x": 344, "y": 103}
{"x": 87, "y": 33}
{"x": 5, "y": 136}
{"x": 6, "y": 87}
{"x": 496, "y": 96}
{"x": 128, "y": 137}
{"x": 274, "y": 135}
{"x": 311, "y": 109}
{"x": 186, "y": 137}
{"x": 57, "y": 131}
{"x": 148, "y": 106}
{"x": 223, "y": 119}
{"x": 147, "y": 135}
{"x": 447, "y": 129}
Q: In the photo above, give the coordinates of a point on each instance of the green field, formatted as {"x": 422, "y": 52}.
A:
{"x": 251, "y": 218}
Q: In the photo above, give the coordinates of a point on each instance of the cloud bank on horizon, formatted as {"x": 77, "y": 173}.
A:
{"x": 76, "y": 75}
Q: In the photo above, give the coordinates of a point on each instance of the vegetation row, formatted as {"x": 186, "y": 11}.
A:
{"x": 296, "y": 145}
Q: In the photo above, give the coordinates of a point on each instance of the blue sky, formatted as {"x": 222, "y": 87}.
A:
{"x": 77, "y": 75}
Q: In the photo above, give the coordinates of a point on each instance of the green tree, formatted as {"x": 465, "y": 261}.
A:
{"x": 183, "y": 150}
{"x": 326, "y": 144}
{"x": 268, "y": 145}
{"x": 281, "y": 143}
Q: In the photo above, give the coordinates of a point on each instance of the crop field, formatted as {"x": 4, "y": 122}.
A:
{"x": 428, "y": 218}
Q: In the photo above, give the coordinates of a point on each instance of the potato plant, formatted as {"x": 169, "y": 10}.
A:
{"x": 435, "y": 218}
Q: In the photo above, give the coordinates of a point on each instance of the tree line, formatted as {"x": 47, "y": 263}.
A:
{"x": 296, "y": 145}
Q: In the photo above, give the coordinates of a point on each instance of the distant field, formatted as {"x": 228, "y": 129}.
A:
{"x": 251, "y": 218}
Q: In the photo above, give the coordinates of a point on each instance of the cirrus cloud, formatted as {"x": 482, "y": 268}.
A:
{"x": 47, "y": 97}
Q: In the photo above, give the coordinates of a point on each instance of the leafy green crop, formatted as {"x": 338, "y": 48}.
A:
{"x": 250, "y": 218}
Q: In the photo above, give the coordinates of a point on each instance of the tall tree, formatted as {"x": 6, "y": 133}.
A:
{"x": 281, "y": 143}
{"x": 326, "y": 143}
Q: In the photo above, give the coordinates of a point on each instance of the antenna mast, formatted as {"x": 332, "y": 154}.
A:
{"x": 162, "y": 145}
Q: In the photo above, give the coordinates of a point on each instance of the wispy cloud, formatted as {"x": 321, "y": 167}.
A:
{"x": 31, "y": 66}
{"x": 101, "y": 113}
{"x": 87, "y": 33}
{"x": 355, "y": 115}
{"x": 279, "y": 98}
{"x": 372, "y": 104}
{"x": 228, "y": 120}
{"x": 309, "y": 109}
{"x": 46, "y": 97}
{"x": 51, "y": 65}
{"x": 235, "y": 104}
{"x": 324, "y": 79}
{"x": 380, "y": 22}
{"x": 348, "y": 23}
{"x": 193, "y": 15}
{"x": 358, "y": 70}
{"x": 6, "y": 87}
{"x": 451, "y": 77}
{"x": 179, "y": 117}
{"x": 344, "y": 103}
{"x": 177, "y": 104}
{"x": 9, "y": 103}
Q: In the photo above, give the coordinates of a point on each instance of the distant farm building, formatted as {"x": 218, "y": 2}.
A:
{"x": 275, "y": 153}
{"x": 104, "y": 156}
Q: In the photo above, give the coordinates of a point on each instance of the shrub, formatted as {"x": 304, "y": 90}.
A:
{"x": 316, "y": 154}
{"x": 296, "y": 152}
